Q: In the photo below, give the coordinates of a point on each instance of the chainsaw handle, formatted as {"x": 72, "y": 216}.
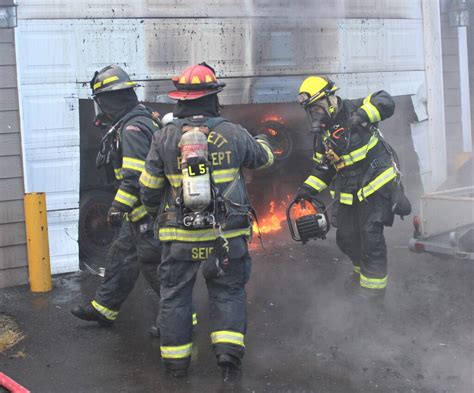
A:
{"x": 288, "y": 220}
{"x": 318, "y": 206}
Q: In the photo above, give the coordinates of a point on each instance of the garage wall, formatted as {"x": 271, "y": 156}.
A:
{"x": 260, "y": 49}
{"x": 13, "y": 261}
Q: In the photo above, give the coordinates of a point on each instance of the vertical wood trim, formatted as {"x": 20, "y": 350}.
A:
{"x": 435, "y": 92}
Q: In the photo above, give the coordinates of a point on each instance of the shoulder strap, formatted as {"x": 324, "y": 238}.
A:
{"x": 390, "y": 150}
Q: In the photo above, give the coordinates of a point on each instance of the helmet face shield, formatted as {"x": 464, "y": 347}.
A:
{"x": 318, "y": 118}
{"x": 303, "y": 99}
{"x": 100, "y": 118}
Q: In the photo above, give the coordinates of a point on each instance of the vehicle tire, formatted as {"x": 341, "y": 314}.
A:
{"x": 95, "y": 235}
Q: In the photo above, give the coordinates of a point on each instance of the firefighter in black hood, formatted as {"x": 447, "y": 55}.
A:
{"x": 130, "y": 129}
{"x": 193, "y": 182}
{"x": 351, "y": 154}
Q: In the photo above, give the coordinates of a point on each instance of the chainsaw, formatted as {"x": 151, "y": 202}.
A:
{"x": 309, "y": 226}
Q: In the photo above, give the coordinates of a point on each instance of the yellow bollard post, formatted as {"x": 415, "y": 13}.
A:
{"x": 36, "y": 223}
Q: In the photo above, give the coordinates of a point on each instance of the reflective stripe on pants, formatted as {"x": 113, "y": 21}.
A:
{"x": 177, "y": 352}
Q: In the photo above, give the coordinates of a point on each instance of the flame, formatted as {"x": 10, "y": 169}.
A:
{"x": 273, "y": 117}
{"x": 271, "y": 220}
{"x": 272, "y": 131}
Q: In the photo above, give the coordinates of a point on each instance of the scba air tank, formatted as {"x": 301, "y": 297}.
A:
{"x": 195, "y": 169}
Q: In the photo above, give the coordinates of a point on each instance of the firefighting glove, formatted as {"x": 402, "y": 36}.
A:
{"x": 218, "y": 261}
{"x": 115, "y": 217}
{"x": 358, "y": 120}
{"x": 263, "y": 138}
{"x": 306, "y": 193}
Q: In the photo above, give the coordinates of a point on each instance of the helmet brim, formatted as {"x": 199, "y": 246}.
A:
{"x": 183, "y": 95}
{"x": 116, "y": 87}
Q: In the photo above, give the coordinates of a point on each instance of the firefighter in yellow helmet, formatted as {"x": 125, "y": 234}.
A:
{"x": 352, "y": 158}
{"x": 193, "y": 182}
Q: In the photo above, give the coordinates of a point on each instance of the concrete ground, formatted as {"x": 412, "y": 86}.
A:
{"x": 307, "y": 331}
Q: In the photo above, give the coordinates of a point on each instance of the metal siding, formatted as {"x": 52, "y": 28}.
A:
{"x": 10, "y": 144}
{"x": 12, "y": 228}
{"x": 12, "y": 277}
{"x": 12, "y": 234}
{"x": 13, "y": 257}
{"x": 11, "y": 167}
{"x": 9, "y": 100}
{"x": 11, "y": 211}
{"x": 6, "y": 35}
{"x": 11, "y": 189}
{"x": 8, "y": 76}
{"x": 7, "y": 53}
{"x": 9, "y": 121}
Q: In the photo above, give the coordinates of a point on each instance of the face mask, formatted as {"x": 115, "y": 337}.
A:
{"x": 318, "y": 118}
{"x": 100, "y": 119}
{"x": 321, "y": 113}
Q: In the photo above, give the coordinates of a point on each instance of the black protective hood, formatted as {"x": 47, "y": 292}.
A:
{"x": 115, "y": 104}
{"x": 206, "y": 106}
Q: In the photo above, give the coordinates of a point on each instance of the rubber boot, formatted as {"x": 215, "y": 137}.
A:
{"x": 89, "y": 313}
{"x": 351, "y": 284}
{"x": 229, "y": 366}
{"x": 177, "y": 371}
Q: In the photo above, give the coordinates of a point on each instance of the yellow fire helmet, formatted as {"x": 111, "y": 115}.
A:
{"x": 314, "y": 88}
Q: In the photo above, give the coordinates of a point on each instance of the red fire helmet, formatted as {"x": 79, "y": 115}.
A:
{"x": 195, "y": 82}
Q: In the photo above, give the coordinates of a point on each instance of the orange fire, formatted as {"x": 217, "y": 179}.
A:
{"x": 273, "y": 117}
{"x": 272, "y": 131}
{"x": 271, "y": 220}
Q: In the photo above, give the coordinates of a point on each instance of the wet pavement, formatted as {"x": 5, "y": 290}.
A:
{"x": 308, "y": 331}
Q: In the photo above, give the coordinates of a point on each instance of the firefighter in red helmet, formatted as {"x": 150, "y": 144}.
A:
{"x": 193, "y": 183}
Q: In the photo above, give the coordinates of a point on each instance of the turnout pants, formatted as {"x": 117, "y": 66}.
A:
{"x": 360, "y": 236}
{"x": 227, "y": 300}
{"x": 134, "y": 249}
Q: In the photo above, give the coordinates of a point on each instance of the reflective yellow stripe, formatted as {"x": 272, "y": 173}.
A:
{"x": 346, "y": 199}
{"x": 110, "y": 79}
{"x": 195, "y": 319}
{"x": 373, "y": 283}
{"x": 270, "y": 158}
{"x": 316, "y": 183}
{"x": 198, "y": 235}
{"x": 150, "y": 181}
{"x": 371, "y": 110}
{"x": 97, "y": 85}
{"x": 227, "y": 337}
{"x": 356, "y": 269}
{"x": 118, "y": 173}
{"x": 382, "y": 179}
{"x": 318, "y": 158}
{"x": 360, "y": 153}
{"x": 137, "y": 214}
{"x": 133, "y": 163}
{"x": 332, "y": 193}
{"x": 111, "y": 315}
{"x": 178, "y": 352}
{"x": 126, "y": 198}
{"x": 224, "y": 175}
{"x": 175, "y": 180}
